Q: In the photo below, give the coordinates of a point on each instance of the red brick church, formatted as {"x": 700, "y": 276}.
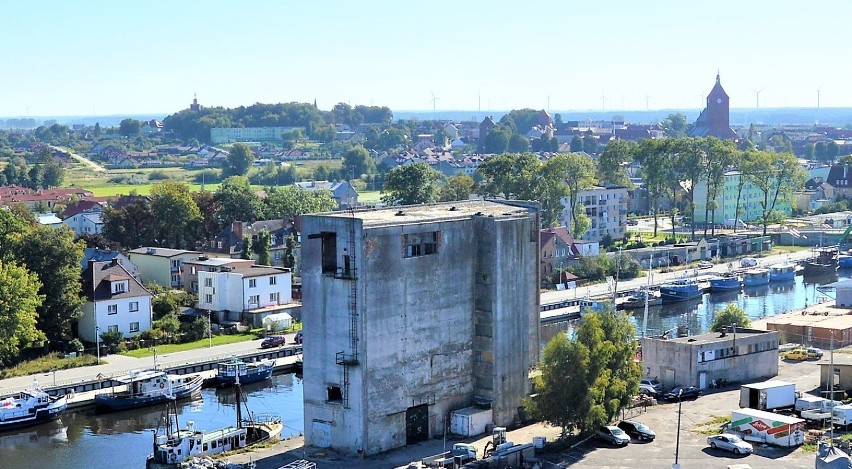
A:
{"x": 714, "y": 120}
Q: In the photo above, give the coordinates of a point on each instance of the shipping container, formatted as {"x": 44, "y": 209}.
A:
{"x": 768, "y": 395}
{"x": 470, "y": 421}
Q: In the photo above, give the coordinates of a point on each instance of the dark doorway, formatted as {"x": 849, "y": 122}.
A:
{"x": 416, "y": 424}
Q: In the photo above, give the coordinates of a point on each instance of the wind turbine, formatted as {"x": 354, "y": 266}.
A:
{"x": 757, "y": 98}
{"x": 603, "y": 102}
{"x": 647, "y": 105}
{"x": 434, "y": 100}
{"x": 818, "y": 90}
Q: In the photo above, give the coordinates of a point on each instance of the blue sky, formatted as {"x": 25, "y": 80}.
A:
{"x": 114, "y": 57}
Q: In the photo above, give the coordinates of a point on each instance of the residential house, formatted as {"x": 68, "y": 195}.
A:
{"x": 249, "y": 134}
{"x": 557, "y": 249}
{"x": 107, "y": 255}
{"x": 162, "y": 266}
{"x": 230, "y": 241}
{"x": 10, "y": 195}
{"x": 209, "y": 264}
{"x": 607, "y": 209}
{"x": 840, "y": 178}
{"x": 750, "y": 198}
{"x": 49, "y": 219}
{"x": 245, "y": 294}
{"x": 86, "y": 223}
{"x": 115, "y": 302}
{"x": 79, "y": 206}
{"x": 341, "y": 191}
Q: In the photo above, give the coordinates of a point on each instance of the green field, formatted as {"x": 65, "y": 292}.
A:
{"x": 369, "y": 197}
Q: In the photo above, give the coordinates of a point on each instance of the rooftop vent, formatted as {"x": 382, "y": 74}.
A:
{"x": 453, "y": 208}
{"x": 400, "y": 213}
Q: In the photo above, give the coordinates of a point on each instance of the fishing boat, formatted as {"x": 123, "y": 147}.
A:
{"x": 783, "y": 272}
{"x": 756, "y": 277}
{"x": 174, "y": 445}
{"x": 725, "y": 282}
{"x": 680, "y": 290}
{"x": 148, "y": 387}
{"x": 30, "y": 407}
{"x": 823, "y": 261}
{"x": 637, "y": 299}
{"x": 844, "y": 261}
{"x": 228, "y": 371}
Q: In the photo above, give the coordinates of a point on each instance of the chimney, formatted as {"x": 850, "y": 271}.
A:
{"x": 114, "y": 261}
{"x": 237, "y": 229}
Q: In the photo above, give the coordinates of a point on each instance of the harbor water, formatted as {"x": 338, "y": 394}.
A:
{"x": 696, "y": 317}
{"x": 118, "y": 440}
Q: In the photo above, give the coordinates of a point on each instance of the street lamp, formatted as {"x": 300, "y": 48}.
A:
{"x": 677, "y": 443}
{"x": 98, "y": 343}
{"x": 210, "y": 327}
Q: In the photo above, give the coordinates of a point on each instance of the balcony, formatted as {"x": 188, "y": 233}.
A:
{"x": 341, "y": 358}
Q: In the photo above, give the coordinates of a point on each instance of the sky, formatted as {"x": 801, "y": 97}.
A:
{"x": 77, "y": 58}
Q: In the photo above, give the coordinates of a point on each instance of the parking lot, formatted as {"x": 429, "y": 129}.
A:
{"x": 693, "y": 450}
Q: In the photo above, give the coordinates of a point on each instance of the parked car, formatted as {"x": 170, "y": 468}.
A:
{"x": 273, "y": 341}
{"x": 637, "y": 430}
{"x": 797, "y": 354}
{"x": 613, "y": 435}
{"x": 788, "y": 347}
{"x": 814, "y": 353}
{"x": 658, "y": 386}
{"x": 729, "y": 442}
{"x": 632, "y": 222}
{"x": 299, "y": 337}
{"x": 705, "y": 265}
{"x": 683, "y": 393}
{"x": 648, "y": 390}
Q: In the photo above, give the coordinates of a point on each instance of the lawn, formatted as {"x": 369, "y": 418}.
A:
{"x": 221, "y": 339}
{"x": 107, "y": 189}
{"x": 369, "y": 197}
{"x": 46, "y": 364}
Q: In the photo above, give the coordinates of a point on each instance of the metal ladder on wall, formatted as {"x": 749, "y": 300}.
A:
{"x": 351, "y": 359}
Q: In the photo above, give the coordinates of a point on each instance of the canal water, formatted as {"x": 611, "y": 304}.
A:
{"x": 696, "y": 317}
{"x": 87, "y": 439}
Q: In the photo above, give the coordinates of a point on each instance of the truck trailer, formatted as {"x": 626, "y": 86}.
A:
{"x": 767, "y": 427}
{"x": 768, "y": 395}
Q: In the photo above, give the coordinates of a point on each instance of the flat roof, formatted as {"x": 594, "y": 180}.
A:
{"x": 413, "y": 214}
{"x": 216, "y": 261}
{"x": 256, "y": 271}
{"x": 836, "y": 318}
{"x": 716, "y": 337}
{"x": 161, "y": 252}
{"x": 767, "y": 384}
{"x": 770, "y": 416}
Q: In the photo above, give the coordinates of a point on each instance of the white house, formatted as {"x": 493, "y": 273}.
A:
{"x": 115, "y": 301}
{"x": 247, "y": 293}
{"x": 49, "y": 219}
{"x": 85, "y": 223}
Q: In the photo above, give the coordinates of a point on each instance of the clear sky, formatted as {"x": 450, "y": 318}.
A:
{"x": 119, "y": 57}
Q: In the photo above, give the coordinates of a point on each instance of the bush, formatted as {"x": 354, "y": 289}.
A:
{"x": 74, "y": 345}
{"x": 208, "y": 176}
{"x": 112, "y": 338}
{"x": 197, "y": 330}
{"x": 158, "y": 176}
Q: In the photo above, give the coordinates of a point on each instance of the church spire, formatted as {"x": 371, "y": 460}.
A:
{"x": 717, "y": 77}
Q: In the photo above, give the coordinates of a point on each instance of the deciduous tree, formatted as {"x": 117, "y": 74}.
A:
{"x": 175, "y": 214}
{"x": 776, "y": 176}
{"x": 261, "y": 247}
{"x": 457, "y": 188}
{"x": 290, "y": 201}
{"x": 410, "y": 184}
{"x": 131, "y": 225}
{"x": 237, "y": 201}
{"x": 19, "y": 304}
{"x": 732, "y": 314}
{"x": 611, "y": 162}
{"x": 239, "y": 160}
{"x": 357, "y": 162}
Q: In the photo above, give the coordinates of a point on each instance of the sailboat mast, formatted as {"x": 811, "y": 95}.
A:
{"x": 647, "y": 297}
{"x": 239, "y": 402}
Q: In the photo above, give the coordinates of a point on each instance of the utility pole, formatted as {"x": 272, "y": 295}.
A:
{"x": 831, "y": 382}
{"x": 617, "y": 269}
{"x": 677, "y": 443}
{"x": 210, "y": 327}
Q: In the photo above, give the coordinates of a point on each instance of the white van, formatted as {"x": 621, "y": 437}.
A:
{"x": 748, "y": 262}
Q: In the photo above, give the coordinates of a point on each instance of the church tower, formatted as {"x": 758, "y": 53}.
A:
{"x": 714, "y": 120}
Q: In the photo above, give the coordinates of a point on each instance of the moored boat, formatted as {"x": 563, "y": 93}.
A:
{"x": 149, "y": 387}
{"x": 30, "y": 407}
{"x": 174, "y": 445}
{"x": 638, "y": 298}
{"x": 783, "y": 272}
{"x": 756, "y": 277}
{"x": 680, "y": 290}
{"x": 725, "y": 282}
{"x": 844, "y": 262}
{"x": 228, "y": 371}
{"x": 824, "y": 261}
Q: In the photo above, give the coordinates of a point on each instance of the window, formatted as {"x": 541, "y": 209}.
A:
{"x": 119, "y": 287}
{"x": 113, "y": 328}
{"x": 252, "y": 282}
{"x": 208, "y": 281}
{"x": 329, "y": 251}
{"x": 175, "y": 279}
{"x": 112, "y": 309}
{"x": 254, "y": 300}
{"x": 421, "y": 244}
{"x": 273, "y": 280}
{"x": 273, "y": 297}
{"x": 208, "y": 298}
{"x": 192, "y": 270}
{"x": 277, "y": 255}
{"x": 134, "y": 327}
{"x": 334, "y": 394}
{"x": 134, "y": 306}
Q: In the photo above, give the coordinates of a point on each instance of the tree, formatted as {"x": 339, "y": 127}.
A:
{"x": 175, "y": 214}
{"x": 518, "y": 143}
{"x": 732, "y": 314}
{"x": 130, "y": 225}
{"x": 649, "y": 154}
{"x": 675, "y": 125}
{"x": 211, "y": 223}
{"x": 19, "y": 304}
{"x": 776, "y": 176}
{"x": 129, "y": 127}
{"x": 290, "y": 202}
{"x": 578, "y": 173}
{"x": 247, "y": 251}
{"x": 719, "y": 156}
{"x": 411, "y": 184}
{"x": 236, "y": 201}
{"x": 261, "y": 247}
{"x": 509, "y": 175}
{"x": 497, "y": 139}
{"x": 357, "y": 162}
{"x": 54, "y": 256}
{"x": 239, "y": 160}
{"x": 290, "y": 253}
{"x": 590, "y": 144}
{"x": 11, "y": 225}
{"x": 457, "y": 188}
{"x": 690, "y": 164}
{"x": 611, "y": 161}
{"x": 576, "y": 144}
{"x": 97, "y": 131}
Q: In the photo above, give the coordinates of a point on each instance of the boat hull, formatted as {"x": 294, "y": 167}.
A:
{"x": 640, "y": 303}
{"x": 844, "y": 262}
{"x": 724, "y": 284}
{"x": 41, "y": 416}
{"x": 782, "y": 275}
{"x": 675, "y": 295}
{"x": 119, "y": 402}
{"x": 247, "y": 378}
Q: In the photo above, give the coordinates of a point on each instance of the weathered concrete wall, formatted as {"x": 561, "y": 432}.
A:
{"x": 677, "y": 363}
